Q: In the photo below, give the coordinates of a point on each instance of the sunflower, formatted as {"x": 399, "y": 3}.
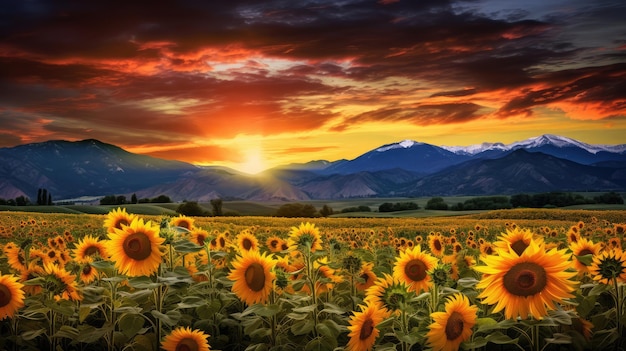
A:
{"x": 88, "y": 273}
{"x": 87, "y": 248}
{"x": 527, "y": 283}
{"x": 583, "y": 247}
{"x": 252, "y": 276}
{"x": 118, "y": 218}
{"x": 136, "y": 248}
{"x": 305, "y": 237}
{"x": 388, "y": 293}
{"x": 609, "y": 265}
{"x": 11, "y": 295}
{"x": 274, "y": 243}
{"x": 367, "y": 277}
{"x": 326, "y": 273}
{"x": 517, "y": 239}
{"x": 199, "y": 236}
{"x": 183, "y": 338}
{"x": 412, "y": 268}
{"x": 15, "y": 257}
{"x": 363, "y": 331}
{"x": 452, "y": 327}
{"x": 246, "y": 241}
{"x": 65, "y": 284}
{"x": 183, "y": 222}
{"x": 34, "y": 270}
{"x": 436, "y": 245}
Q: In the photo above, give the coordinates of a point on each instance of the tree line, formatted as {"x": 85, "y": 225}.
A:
{"x": 540, "y": 200}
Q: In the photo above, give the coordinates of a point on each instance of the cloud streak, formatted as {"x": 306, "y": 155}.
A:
{"x": 141, "y": 74}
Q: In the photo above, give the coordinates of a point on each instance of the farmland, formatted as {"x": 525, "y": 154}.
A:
{"x": 261, "y": 283}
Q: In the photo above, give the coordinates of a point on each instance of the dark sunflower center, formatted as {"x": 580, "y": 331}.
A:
{"x": 415, "y": 270}
{"x": 87, "y": 269}
{"x": 584, "y": 252}
{"x": 274, "y": 243}
{"x": 365, "y": 277}
{"x": 137, "y": 246}
{"x": 437, "y": 245}
{"x": 5, "y": 295}
{"x": 519, "y": 246}
{"x": 91, "y": 250}
{"x": 184, "y": 224}
{"x": 454, "y": 327}
{"x": 200, "y": 239}
{"x": 488, "y": 250}
{"x": 121, "y": 222}
{"x": 525, "y": 279}
{"x": 247, "y": 244}
{"x": 255, "y": 277}
{"x": 187, "y": 344}
{"x": 222, "y": 242}
{"x": 366, "y": 329}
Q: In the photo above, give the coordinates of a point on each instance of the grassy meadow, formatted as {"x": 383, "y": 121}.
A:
{"x": 145, "y": 278}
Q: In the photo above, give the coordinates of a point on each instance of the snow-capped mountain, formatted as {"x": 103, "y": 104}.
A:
{"x": 536, "y": 142}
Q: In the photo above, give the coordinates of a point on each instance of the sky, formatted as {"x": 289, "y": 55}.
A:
{"x": 256, "y": 84}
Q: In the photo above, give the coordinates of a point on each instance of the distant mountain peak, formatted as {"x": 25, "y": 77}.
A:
{"x": 404, "y": 144}
{"x": 536, "y": 142}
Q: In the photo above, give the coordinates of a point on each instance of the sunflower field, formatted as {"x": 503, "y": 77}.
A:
{"x": 503, "y": 280}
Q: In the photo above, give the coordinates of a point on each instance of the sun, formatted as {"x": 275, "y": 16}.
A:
{"x": 254, "y": 162}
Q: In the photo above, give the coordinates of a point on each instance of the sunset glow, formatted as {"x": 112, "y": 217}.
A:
{"x": 256, "y": 85}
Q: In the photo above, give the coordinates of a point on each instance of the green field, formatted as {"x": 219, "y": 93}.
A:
{"x": 269, "y": 208}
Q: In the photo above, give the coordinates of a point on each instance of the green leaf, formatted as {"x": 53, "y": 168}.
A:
{"x": 90, "y": 334}
{"x": 478, "y": 342}
{"x": 333, "y": 309}
{"x": 83, "y": 313}
{"x": 305, "y": 309}
{"x": 302, "y": 327}
{"x": 561, "y": 317}
{"x": 598, "y": 289}
{"x": 559, "y": 338}
{"x": 191, "y": 301}
{"x": 66, "y": 331}
{"x": 64, "y": 307}
{"x": 467, "y": 282}
{"x": 32, "y": 334}
{"x": 142, "y": 282}
{"x": 130, "y": 324}
{"x": 498, "y": 338}
{"x": 186, "y": 246}
{"x": 587, "y": 260}
{"x": 487, "y": 325}
{"x": 170, "y": 318}
{"x": 207, "y": 311}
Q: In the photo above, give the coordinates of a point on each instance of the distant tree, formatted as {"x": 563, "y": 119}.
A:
{"x": 44, "y": 197}
{"x": 296, "y": 210}
{"x": 161, "y": 199}
{"x": 191, "y": 208}
{"x": 326, "y": 211}
{"x": 385, "y": 207}
{"x": 216, "y": 205}
{"x": 3, "y": 201}
{"x": 133, "y": 199}
{"x": 49, "y": 199}
{"x": 21, "y": 201}
{"x": 609, "y": 198}
{"x": 39, "y": 201}
{"x": 120, "y": 200}
{"x": 521, "y": 200}
{"x": 436, "y": 203}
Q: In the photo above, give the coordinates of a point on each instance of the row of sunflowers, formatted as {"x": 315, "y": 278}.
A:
{"x": 174, "y": 285}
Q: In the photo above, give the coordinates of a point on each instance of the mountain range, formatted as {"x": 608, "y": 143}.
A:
{"x": 406, "y": 168}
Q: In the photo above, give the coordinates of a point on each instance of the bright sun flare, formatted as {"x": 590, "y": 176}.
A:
{"x": 253, "y": 163}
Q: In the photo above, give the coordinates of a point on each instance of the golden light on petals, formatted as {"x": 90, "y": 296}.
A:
{"x": 185, "y": 339}
{"x": 118, "y": 218}
{"x": 412, "y": 267}
{"x": 363, "y": 331}
{"x": 305, "y": 237}
{"x": 11, "y": 296}
{"x": 450, "y": 328}
{"x": 136, "y": 248}
{"x": 253, "y": 276}
{"x": 89, "y": 248}
{"x": 526, "y": 284}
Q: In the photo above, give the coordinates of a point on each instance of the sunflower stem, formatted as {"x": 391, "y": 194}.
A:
{"x": 618, "y": 306}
